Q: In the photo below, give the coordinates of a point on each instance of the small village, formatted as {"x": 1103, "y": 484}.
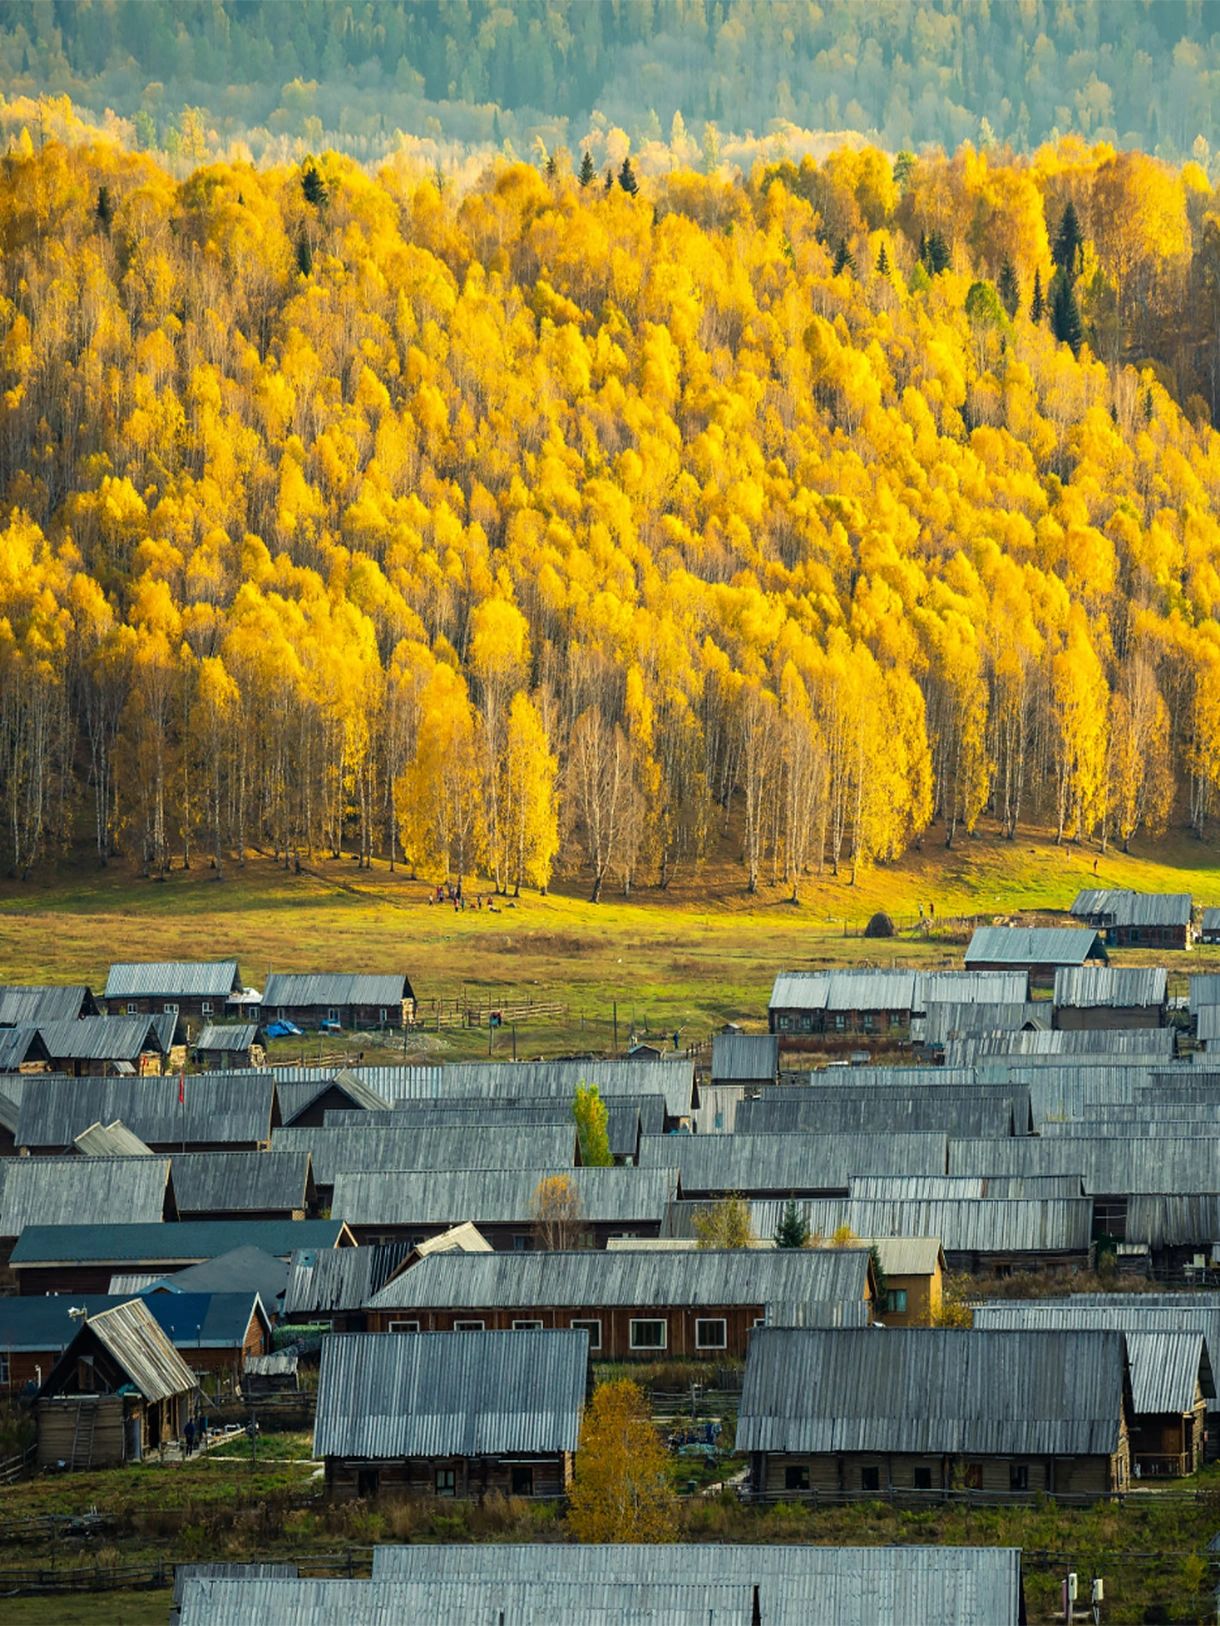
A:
{"x": 941, "y": 1237}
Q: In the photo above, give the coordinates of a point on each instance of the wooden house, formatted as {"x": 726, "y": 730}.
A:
{"x": 194, "y": 992}
{"x": 29, "y": 1005}
{"x": 1209, "y": 926}
{"x": 1039, "y": 951}
{"x": 860, "y": 1004}
{"x": 98, "y": 1046}
{"x": 1138, "y": 919}
{"x": 351, "y": 1001}
{"x": 451, "y": 1414}
{"x": 1003, "y": 1415}
{"x": 751, "y": 1059}
{"x": 23, "y": 1050}
{"x": 912, "y": 1279}
{"x": 118, "y": 1392}
{"x": 1110, "y": 997}
{"x": 229, "y": 1046}
{"x": 200, "y": 1113}
{"x": 648, "y": 1304}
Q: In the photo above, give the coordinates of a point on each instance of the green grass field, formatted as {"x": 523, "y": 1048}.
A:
{"x": 90, "y": 1609}
{"x": 686, "y": 959}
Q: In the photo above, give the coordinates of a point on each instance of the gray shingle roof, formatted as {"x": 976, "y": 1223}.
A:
{"x": 29, "y": 1006}
{"x": 932, "y": 1391}
{"x": 218, "y": 1107}
{"x": 58, "y": 1190}
{"x": 169, "y": 979}
{"x": 792, "y": 1111}
{"x": 296, "y": 1097}
{"x": 790, "y": 1163}
{"x": 745, "y": 1056}
{"x": 1033, "y": 945}
{"x": 208, "y": 1183}
{"x": 430, "y": 1146}
{"x": 1085, "y": 987}
{"x": 293, "y": 989}
{"x": 428, "y": 1197}
{"x": 463, "y": 1394}
{"x": 1204, "y": 989}
{"x": 647, "y": 1277}
{"x": 1109, "y": 1164}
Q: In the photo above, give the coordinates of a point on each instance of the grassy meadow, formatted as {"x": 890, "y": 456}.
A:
{"x": 685, "y": 960}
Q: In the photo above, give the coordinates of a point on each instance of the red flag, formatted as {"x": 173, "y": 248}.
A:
{"x": 182, "y": 1086}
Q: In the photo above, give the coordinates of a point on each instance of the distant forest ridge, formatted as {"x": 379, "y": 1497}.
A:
{"x": 1136, "y": 73}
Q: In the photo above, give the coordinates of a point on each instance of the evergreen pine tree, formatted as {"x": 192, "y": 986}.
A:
{"x": 609, "y": 177}
{"x": 587, "y": 171}
{"x": 627, "y": 180}
{"x": 936, "y": 254}
{"x": 1065, "y": 313}
{"x": 793, "y": 1228}
{"x": 550, "y": 166}
{"x": 1037, "y": 305}
{"x": 883, "y": 262}
{"x": 304, "y": 255}
{"x": 313, "y": 186}
{"x": 844, "y": 259}
{"x": 1068, "y": 240}
{"x": 1009, "y": 289}
{"x": 105, "y": 208}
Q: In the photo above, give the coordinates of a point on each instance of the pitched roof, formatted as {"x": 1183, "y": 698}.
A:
{"x": 496, "y": 1196}
{"x": 110, "y": 1140}
{"x": 296, "y": 1097}
{"x": 322, "y": 1281}
{"x": 217, "y": 1107}
{"x": 647, "y": 1277}
{"x": 18, "y": 1046}
{"x": 430, "y": 1146}
{"x": 868, "y": 990}
{"x": 102, "y": 1038}
{"x": 790, "y": 1162}
{"x": 932, "y": 1390}
{"x": 184, "y": 979}
{"x": 462, "y": 1394}
{"x": 44, "y": 1191}
{"x": 226, "y": 1037}
{"x": 246, "y": 1269}
{"x": 795, "y": 1110}
{"x": 971, "y": 988}
{"x": 230, "y": 1572}
{"x": 1111, "y": 1043}
{"x": 745, "y": 1056}
{"x": 181, "y": 1243}
{"x": 132, "y": 1336}
{"x": 1033, "y": 945}
{"x": 40, "y": 1322}
{"x": 1113, "y": 1165}
{"x": 1084, "y": 987}
{"x": 290, "y": 989}
{"x": 229, "y": 1182}
{"x": 28, "y": 1006}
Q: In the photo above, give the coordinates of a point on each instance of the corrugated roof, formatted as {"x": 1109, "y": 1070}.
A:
{"x": 1211, "y": 920}
{"x": 430, "y": 1197}
{"x": 1207, "y": 1023}
{"x": 906, "y": 1255}
{"x": 102, "y": 1038}
{"x": 430, "y": 1146}
{"x": 1166, "y": 1344}
{"x": 1110, "y": 1044}
{"x": 932, "y": 1391}
{"x": 745, "y": 1056}
{"x": 857, "y": 1112}
{"x": 868, "y": 990}
{"x": 18, "y": 1046}
{"x": 461, "y": 1394}
{"x": 946, "y": 1187}
{"x": 185, "y": 1242}
{"x": 218, "y": 1108}
{"x": 45, "y": 1191}
{"x": 229, "y": 1182}
{"x": 110, "y": 1140}
{"x": 323, "y": 1281}
{"x": 1204, "y": 989}
{"x": 647, "y": 1278}
{"x": 229, "y": 1572}
{"x": 1033, "y": 946}
{"x": 1167, "y": 1221}
{"x": 1126, "y": 987}
{"x": 296, "y": 1098}
{"x": 131, "y": 1335}
{"x": 958, "y": 1021}
{"x": 626, "y": 1119}
{"x": 1112, "y": 1165}
{"x": 790, "y": 1163}
{"x": 970, "y": 988}
{"x": 170, "y": 979}
{"x": 964, "y": 1225}
{"x": 226, "y": 1037}
{"x": 830, "y": 1586}
{"x": 30, "y": 1006}
{"x": 287, "y": 990}
{"x": 1092, "y": 902}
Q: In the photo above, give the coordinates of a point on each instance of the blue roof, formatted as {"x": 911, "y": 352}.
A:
{"x": 174, "y": 1242}
{"x": 189, "y": 1320}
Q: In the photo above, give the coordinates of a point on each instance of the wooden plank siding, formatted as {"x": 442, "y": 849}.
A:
{"x": 549, "y": 1475}
{"x": 615, "y": 1326}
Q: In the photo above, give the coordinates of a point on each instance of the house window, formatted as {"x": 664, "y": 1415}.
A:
{"x": 647, "y": 1335}
{"x": 796, "y": 1477}
{"x": 468, "y": 1326}
{"x": 593, "y": 1328}
{"x": 5, "y": 1372}
{"x": 206, "y": 1007}
{"x": 896, "y": 1300}
{"x": 446, "y": 1482}
{"x": 368, "y": 1481}
{"x": 784, "y": 1024}
{"x": 404, "y": 1326}
{"x": 521, "y": 1243}
{"x": 332, "y": 1014}
{"x": 86, "y": 1380}
{"x": 840, "y": 1022}
{"x": 382, "y": 1016}
{"x": 711, "y": 1334}
{"x": 870, "y": 1479}
{"x": 522, "y": 1481}
{"x": 525, "y": 1326}
{"x": 867, "y": 1022}
{"x": 171, "y": 1010}
{"x": 1018, "y": 1476}
{"x": 921, "y": 1478}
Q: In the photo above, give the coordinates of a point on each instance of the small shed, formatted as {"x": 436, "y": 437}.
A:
{"x": 273, "y": 1374}
{"x": 745, "y": 1058}
{"x": 229, "y": 1045}
{"x": 451, "y": 1414}
{"x": 119, "y": 1391}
